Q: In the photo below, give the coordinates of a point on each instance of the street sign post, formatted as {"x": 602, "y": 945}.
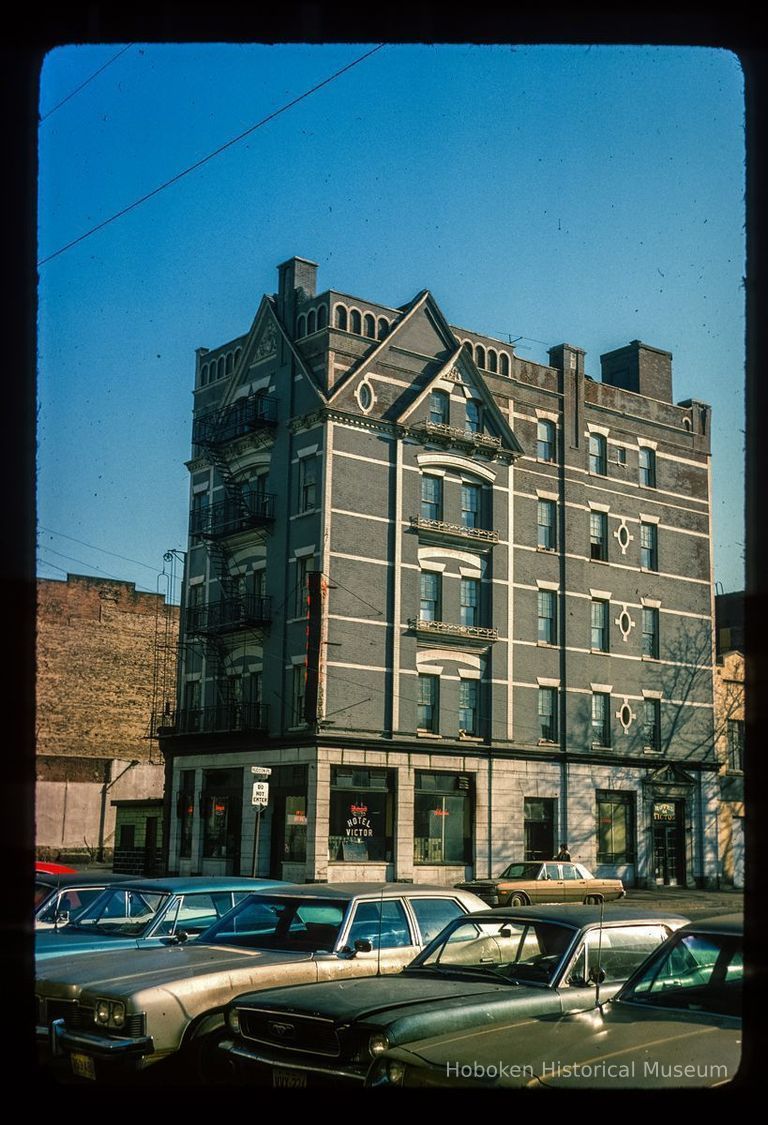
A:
{"x": 259, "y": 798}
{"x": 261, "y": 771}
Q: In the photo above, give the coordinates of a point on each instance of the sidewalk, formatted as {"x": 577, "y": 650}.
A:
{"x": 689, "y": 901}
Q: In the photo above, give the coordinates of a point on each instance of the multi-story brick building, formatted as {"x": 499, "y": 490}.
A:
{"x": 98, "y": 642}
{"x": 459, "y": 602}
{"x": 729, "y": 733}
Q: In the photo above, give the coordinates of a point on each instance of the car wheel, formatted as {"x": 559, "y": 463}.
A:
{"x": 518, "y": 900}
{"x": 210, "y": 1066}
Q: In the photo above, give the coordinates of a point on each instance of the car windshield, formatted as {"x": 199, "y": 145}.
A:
{"x": 269, "y": 922}
{"x": 72, "y": 902}
{"x": 521, "y": 871}
{"x": 697, "y": 972}
{"x": 123, "y": 912}
{"x": 514, "y": 950}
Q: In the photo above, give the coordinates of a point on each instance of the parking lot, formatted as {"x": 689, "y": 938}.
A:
{"x": 692, "y": 902}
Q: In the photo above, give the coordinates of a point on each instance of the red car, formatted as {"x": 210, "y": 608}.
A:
{"x": 53, "y": 868}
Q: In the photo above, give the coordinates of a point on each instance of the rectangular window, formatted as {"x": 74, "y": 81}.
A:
{"x": 615, "y": 827}
{"x": 362, "y": 815}
{"x": 545, "y": 440}
{"x": 185, "y": 811}
{"x": 652, "y": 724}
{"x": 428, "y": 716}
{"x": 442, "y": 818}
{"x": 307, "y": 483}
{"x": 470, "y": 505}
{"x": 547, "y": 527}
{"x": 647, "y": 461}
{"x": 601, "y": 719}
{"x": 469, "y": 718}
{"x": 473, "y": 421}
{"x": 439, "y": 406}
{"x": 547, "y": 611}
{"x": 548, "y": 714}
{"x": 735, "y": 744}
{"x": 598, "y": 454}
{"x": 600, "y": 626}
{"x": 651, "y": 632}
{"x": 649, "y": 546}
{"x": 298, "y": 694}
{"x": 431, "y": 498}
{"x": 470, "y": 601}
{"x": 429, "y": 605}
{"x": 598, "y": 536}
{"x": 304, "y": 564}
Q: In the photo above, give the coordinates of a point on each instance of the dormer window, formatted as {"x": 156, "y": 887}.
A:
{"x": 439, "y": 408}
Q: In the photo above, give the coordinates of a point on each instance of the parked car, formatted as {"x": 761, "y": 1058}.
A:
{"x": 42, "y": 868}
{"x": 481, "y": 971}
{"x": 60, "y": 898}
{"x": 523, "y": 883}
{"x": 147, "y": 911}
{"x": 128, "y": 1013}
{"x": 675, "y": 1023}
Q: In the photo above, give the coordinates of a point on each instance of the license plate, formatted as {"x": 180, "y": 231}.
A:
{"x": 288, "y": 1079}
{"x": 83, "y": 1066}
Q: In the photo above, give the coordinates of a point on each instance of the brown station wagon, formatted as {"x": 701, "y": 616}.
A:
{"x": 531, "y": 882}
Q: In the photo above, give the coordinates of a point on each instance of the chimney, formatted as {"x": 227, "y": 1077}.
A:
{"x": 295, "y": 274}
{"x": 640, "y": 368}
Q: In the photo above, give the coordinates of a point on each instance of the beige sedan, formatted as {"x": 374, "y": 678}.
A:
{"x": 530, "y": 882}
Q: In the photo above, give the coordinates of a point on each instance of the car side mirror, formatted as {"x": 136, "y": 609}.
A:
{"x": 62, "y": 917}
{"x": 363, "y": 945}
{"x": 180, "y": 937}
{"x": 596, "y": 976}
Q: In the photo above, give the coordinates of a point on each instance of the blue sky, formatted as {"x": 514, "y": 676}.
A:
{"x": 592, "y": 195}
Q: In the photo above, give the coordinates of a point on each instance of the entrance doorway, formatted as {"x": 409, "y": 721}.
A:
{"x": 539, "y": 814}
{"x": 669, "y": 843}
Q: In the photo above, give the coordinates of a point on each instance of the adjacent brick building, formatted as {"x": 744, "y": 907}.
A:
{"x": 729, "y": 734}
{"x": 105, "y": 654}
{"x": 458, "y": 602}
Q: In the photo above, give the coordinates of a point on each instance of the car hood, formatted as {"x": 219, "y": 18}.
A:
{"x": 172, "y": 967}
{"x": 410, "y": 1001}
{"x": 622, "y": 1045}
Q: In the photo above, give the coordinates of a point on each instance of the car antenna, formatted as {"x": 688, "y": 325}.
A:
{"x": 599, "y": 953}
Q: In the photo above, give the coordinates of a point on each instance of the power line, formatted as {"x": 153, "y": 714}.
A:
{"x": 84, "y": 84}
{"x": 211, "y": 155}
{"x": 102, "y": 550}
{"x": 90, "y": 566}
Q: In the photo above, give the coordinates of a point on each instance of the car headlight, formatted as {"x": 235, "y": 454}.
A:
{"x": 101, "y": 1012}
{"x": 118, "y": 1015}
{"x": 386, "y": 1072}
{"x": 378, "y": 1044}
{"x": 233, "y": 1021}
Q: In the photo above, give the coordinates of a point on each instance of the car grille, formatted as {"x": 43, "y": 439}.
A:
{"x": 487, "y": 893}
{"x": 289, "y": 1032}
{"x": 49, "y": 1009}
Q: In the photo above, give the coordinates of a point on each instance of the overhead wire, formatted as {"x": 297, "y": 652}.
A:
{"x": 82, "y": 85}
{"x": 210, "y": 156}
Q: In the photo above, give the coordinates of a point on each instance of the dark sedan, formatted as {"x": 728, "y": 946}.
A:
{"x": 675, "y": 1023}
{"x": 481, "y": 971}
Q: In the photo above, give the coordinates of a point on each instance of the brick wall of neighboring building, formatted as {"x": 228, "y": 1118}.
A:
{"x": 729, "y": 740}
{"x": 105, "y": 653}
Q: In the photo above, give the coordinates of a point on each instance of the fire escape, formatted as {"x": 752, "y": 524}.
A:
{"x": 237, "y": 611}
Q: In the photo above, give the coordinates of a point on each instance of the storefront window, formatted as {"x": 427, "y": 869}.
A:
{"x": 295, "y": 829}
{"x": 221, "y": 813}
{"x": 443, "y": 818}
{"x": 362, "y": 815}
{"x": 615, "y": 827}
{"x": 186, "y": 812}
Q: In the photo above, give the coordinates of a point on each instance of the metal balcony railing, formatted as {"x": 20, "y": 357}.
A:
{"x": 453, "y": 435}
{"x": 221, "y": 718}
{"x": 452, "y": 629}
{"x": 232, "y": 516}
{"x": 438, "y": 527}
{"x": 229, "y": 615}
{"x": 245, "y": 416}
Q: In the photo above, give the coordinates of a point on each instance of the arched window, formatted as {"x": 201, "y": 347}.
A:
{"x": 383, "y": 327}
{"x": 311, "y": 322}
{"x": 355, "y": 323}
{"x": 220, "y": 368}
{"x": 505, "y": 365}
{"x": 467, "y": 346}
{"x": 492, "y": 361}
{"x": 238, "y": 353}
{"x": 341, "y": 318}
{"x": 369, "y": 326}
{"x": 321, "y": 317}
{"x": 229, "y": 363}
{"x": 301, "y": 330}
{"x": 204, "y": 375}
{"x": 480, "y": 357}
